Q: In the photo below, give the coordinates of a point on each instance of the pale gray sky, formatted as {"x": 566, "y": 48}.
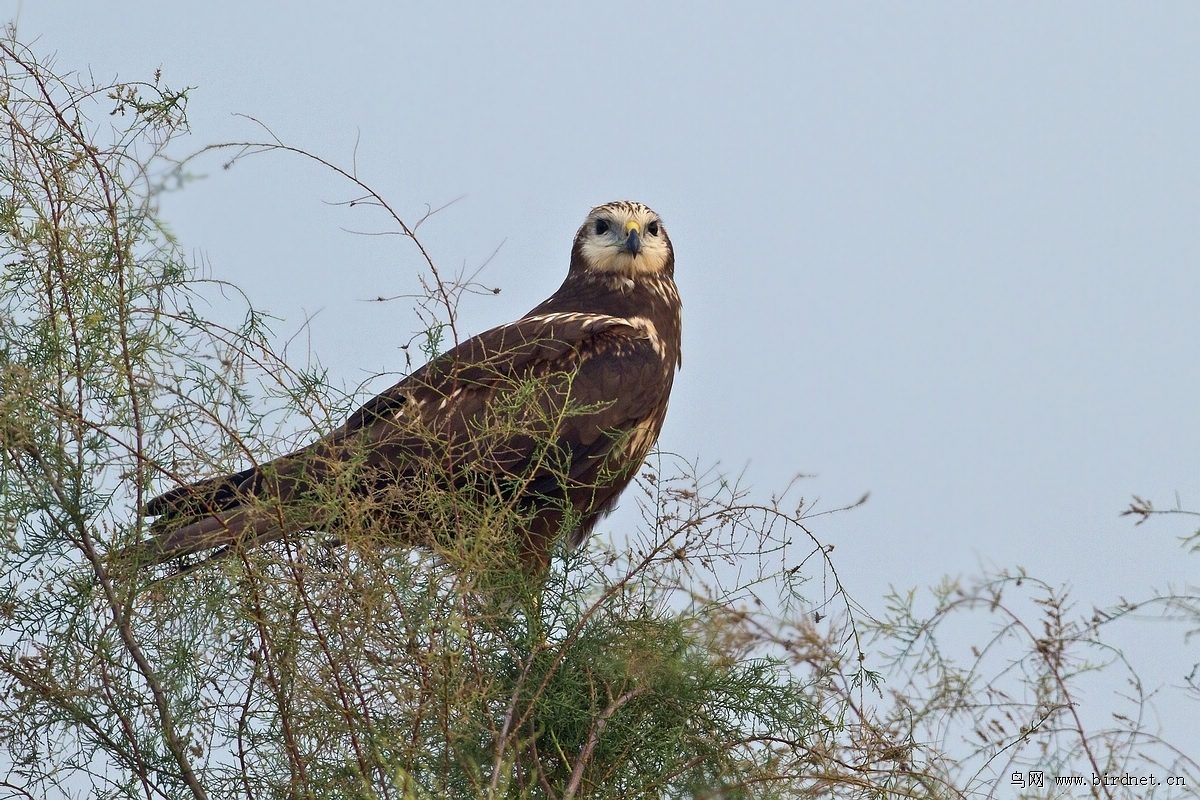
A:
{"x": 944, "y": 252}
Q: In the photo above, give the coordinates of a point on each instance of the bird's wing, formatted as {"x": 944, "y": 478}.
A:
{"x": 544, "y": 401}
{"x": 493, "y": 403}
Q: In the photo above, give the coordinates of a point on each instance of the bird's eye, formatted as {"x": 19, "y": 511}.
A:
{"x": 601, "y": 226}
{"x": 652, "y": 228}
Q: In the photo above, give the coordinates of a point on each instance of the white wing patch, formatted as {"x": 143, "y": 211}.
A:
{"x": 450, "y": 398}
{"x": 646, "y": 326}
{"x": 566, "y": 316}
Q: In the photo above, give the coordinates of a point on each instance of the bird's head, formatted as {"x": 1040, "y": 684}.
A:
{"x": 625, "y": 240}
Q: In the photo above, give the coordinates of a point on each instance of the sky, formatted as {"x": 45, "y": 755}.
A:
{"x": 943, "y": 253}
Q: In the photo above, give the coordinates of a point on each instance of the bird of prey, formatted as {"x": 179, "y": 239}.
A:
{"x": 550, "y": 416}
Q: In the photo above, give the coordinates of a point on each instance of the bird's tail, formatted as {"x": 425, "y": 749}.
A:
{"x": 236, "y": 527}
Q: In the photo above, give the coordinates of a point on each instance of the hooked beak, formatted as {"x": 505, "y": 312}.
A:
{"x": 633, "y": 239}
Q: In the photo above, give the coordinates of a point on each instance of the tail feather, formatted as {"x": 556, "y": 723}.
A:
{"x": 236, "y": 510}
{"x": 210, "y": 494}
{"x": 239, "y": 526}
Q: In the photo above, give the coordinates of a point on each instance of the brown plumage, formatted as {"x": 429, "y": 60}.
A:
{"x": 552, "y": 414}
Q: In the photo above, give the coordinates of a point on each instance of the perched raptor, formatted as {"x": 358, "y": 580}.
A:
{"x": 549, "y": 416}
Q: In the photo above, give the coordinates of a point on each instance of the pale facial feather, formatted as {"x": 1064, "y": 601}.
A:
{"x": 604, "y": 252}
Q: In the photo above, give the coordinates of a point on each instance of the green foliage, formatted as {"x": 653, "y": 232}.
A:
{"x": 710, "y": 653}
{"x": 302, "y": 669}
